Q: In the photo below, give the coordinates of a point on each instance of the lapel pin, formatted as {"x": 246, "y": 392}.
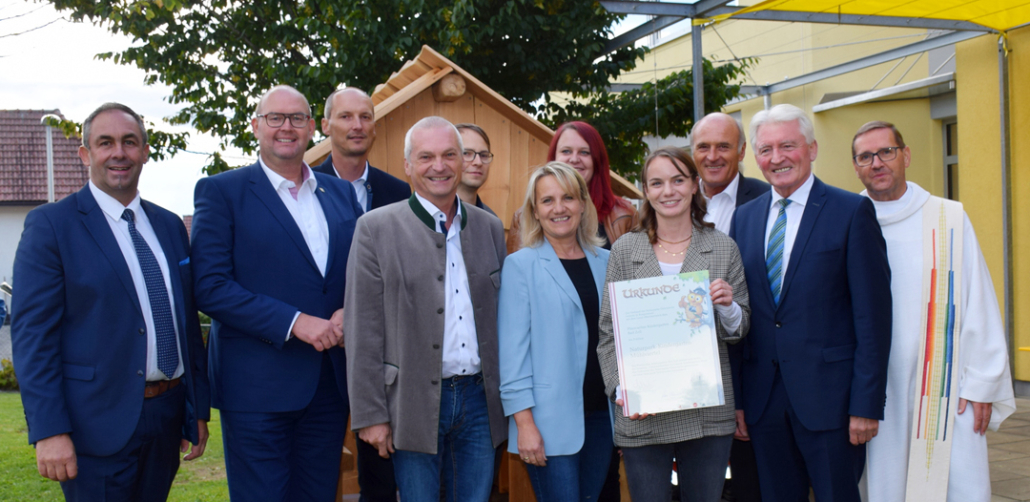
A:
{"x": 320, "y": 189}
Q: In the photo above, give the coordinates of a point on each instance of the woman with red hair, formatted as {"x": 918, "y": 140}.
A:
{"x": 579, "y": 145}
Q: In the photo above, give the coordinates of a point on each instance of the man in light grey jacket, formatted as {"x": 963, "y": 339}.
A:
{"x": 420, "y": 327}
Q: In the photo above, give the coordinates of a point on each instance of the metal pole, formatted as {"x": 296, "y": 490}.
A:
{"x": 767, "y": 101}
{"x": 1006, "y": 199}
{"x": 49, "y": 164}
{"x": 698, "y": 71}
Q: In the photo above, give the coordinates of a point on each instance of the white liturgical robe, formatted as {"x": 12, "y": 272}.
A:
{"x": 983, "y": 365}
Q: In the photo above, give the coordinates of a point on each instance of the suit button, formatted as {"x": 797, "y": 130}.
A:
{"x": 779, "y": 325}
{"x": 438, "y": 245}
{"x": 139, "y": 372}
{"x": 142, "y": 331}
{"x": 434, "y": 382}
{"x": 436, "y": 346}
{"x": 325, "y": 290}
{"x": 439, "y": 278}
{"x": 439, "y": 311}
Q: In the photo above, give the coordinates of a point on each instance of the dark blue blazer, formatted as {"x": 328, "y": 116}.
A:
{"x": 78, "y": 347}
{"x": 831, "y": 333}
{"x": 383, "y": 188}
{"x": 252, "y": 273}
{"x": 748, "y": 189}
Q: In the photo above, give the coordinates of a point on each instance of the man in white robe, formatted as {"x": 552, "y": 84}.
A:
{"x": 985, "y": 390}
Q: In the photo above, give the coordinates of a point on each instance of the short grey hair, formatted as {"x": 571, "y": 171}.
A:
{"x": 431, "y": 122}
{"x": 327, "y": 112}
{"x": 88, "y": 123}
{"x": 780, "y": 114}
{"x": 261, "y": 100}
{"x": 741, "y": 138}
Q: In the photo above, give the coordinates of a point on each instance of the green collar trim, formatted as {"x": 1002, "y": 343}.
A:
{"x": 427, "y": 218}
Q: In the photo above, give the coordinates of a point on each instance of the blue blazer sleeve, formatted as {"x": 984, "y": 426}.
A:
{"x": 218, "y": 294}
{"x": 513, "y": 336}
{"x": 869, "y": 279}
{"x": 35, "y": 331}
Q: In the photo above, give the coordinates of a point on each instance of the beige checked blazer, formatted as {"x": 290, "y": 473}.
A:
{"x": 632, "y": 257}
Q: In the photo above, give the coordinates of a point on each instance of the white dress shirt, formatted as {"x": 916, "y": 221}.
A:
{"x": 307, "y": 213}
{"x": 795, "y": 210}
{"x": 359, "y": 187}
{"x": 120, "y": 228}
{"x": 722, "y": 205}
{"x": 460, "y": 341}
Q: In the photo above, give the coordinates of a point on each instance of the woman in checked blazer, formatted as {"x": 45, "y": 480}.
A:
{"x": 672, "y": 238}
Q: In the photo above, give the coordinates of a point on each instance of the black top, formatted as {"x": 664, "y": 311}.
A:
{"x": 593, "y": 383}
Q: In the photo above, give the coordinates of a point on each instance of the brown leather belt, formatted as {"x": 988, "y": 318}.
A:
{"x": 154, "y": 389}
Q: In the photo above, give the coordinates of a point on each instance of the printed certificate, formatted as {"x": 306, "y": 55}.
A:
{"x": 666, "y": 344}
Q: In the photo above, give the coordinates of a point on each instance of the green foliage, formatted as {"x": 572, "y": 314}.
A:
{"x": 623, "y": 119}
{"x": 8, "y": 380}
{"x": 218, "y": 55}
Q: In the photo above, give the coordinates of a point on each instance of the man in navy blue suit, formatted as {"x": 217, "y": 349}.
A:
{"x": 350, "y": 123}
{"x": 270, "y": 245}
{"x": 814, "y": 365}
{"x": 107, "y": 343}
{"x": 718, "y": 144}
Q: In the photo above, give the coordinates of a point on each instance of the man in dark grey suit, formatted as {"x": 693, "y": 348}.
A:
{"x": 350, "y": 123}
{"x": 718, "y": 144}
{"x": 420, "y": 327}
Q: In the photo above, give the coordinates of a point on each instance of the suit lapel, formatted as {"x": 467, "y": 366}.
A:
{"x": 169, "y": 247}
{"x": 96, "y": 223}
{"x": 816, "y": 199}
{"x": 697, "y": 253}
{"x": 552, "y": 264}
{"x": 756, "y": 257}
{"x": 262, "y": 188}
{"x": 329, "y": 207}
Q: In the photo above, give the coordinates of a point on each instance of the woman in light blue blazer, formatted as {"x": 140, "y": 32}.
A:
{"x": 551, "y": 383}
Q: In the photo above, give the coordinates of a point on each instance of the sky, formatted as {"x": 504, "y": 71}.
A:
{"x": 53, "y": 67}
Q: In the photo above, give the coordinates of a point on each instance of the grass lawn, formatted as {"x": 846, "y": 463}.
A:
{"x": 199, "y": 480}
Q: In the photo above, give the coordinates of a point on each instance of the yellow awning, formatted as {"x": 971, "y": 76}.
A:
{"x": 1000, "y": 15}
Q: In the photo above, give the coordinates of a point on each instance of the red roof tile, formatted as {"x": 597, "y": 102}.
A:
{"x": 23, "y": 178}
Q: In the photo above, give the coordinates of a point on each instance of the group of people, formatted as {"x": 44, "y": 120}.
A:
{"x": 441, "y": 337}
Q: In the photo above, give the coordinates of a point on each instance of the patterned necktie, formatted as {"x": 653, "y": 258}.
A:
{"x": 160, "y": 307}
{"x": 774, "y": 253}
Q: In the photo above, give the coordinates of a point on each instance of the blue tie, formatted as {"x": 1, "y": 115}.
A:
{"x": 160, "y": 308}
{"x": 774, "y": 253}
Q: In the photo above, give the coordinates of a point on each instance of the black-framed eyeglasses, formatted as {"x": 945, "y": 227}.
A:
{"x": 470, "y": 155}
{"x": 277, "y": 120}
{"x": 885, "y": 154}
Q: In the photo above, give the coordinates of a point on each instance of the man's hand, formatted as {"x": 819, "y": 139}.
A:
{"x": 337, "y": 320}
{"x": 722, "y": 293}
{"x": 196, "y": 450}
{"x": 55, "y": 458}
{"x": 380, "y": 436}
{"x": 319, "y": 333}
{"x": 981, "y": 415}
{"x": 741, "y": 432}
{"x": 863, "y": 429}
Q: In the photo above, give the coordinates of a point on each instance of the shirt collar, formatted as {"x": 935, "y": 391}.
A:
{"x": 278, "y": 181}
{"x": 799, "y": 197}
{"x": 730, "y": 190}
{"x": 430, "y": 214}
{"x": 110, "y": 206}
{"x": 361, "y": 179}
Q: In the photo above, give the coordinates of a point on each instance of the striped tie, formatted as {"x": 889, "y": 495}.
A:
{"x": 160, "y": 307}
{"x": 774, "y": 253}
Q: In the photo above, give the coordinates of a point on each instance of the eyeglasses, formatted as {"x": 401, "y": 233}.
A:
{"x": 885, "y": 154}
{"x": 277, "y": 120}
{"x": 470, "y": 155}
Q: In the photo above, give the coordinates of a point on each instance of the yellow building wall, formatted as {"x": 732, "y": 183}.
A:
{"x": 980, "y": 166}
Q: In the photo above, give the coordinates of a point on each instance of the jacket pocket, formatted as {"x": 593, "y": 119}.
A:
{"x": 389, "y": 373}
{"x": 76, "y": 372}
{"x": 839, "y": 353}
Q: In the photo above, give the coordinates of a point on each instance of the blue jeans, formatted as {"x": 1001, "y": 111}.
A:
{"x": 701, "y": 468}
{"x": 464, "y": 459}
{"x": 580, "y": 476}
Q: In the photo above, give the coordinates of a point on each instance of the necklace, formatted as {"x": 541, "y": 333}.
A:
{"x": 676, "y": 242}
{"x": 674, "y": 254}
